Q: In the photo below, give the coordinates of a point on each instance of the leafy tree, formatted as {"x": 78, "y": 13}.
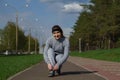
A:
{"x": 21, "y": 39}
{"x": 98, "y": 25}
{"x": 2, "y": 46}
{"x": 32, "y": 44}
{"x": 10, "y": 37}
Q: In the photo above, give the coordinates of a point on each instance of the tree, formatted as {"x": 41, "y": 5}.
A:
{"x": 10, "y": 37}
{"x": 2, "y": 46}
{"x": 21, "y": 39}
{"x": 32, "y": 44}
{"x": 98, "y": 25}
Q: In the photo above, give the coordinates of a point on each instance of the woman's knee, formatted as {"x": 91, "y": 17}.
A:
{"x": 50, "y": 51}
{"x": 58, "y": 57}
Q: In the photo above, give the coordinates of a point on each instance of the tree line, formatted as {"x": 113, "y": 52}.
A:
{"x": 98, "y": 26}
{"x": 8, "y": 39}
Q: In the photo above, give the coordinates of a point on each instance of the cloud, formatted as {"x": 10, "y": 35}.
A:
{"x": 64, "y": 1}
{"x": 67, "y": 6}
{"x": 72, "y": 8}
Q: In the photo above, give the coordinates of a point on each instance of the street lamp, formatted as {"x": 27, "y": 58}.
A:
{"x": 35, "y": 45}
{"x": 29, "y": 41}
{"x": 80, "y": 45}
{"x": 35, "y": 40}
{"x": 16, "y": 25}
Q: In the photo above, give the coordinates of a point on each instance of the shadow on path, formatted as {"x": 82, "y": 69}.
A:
{"x": 77, "y": 72}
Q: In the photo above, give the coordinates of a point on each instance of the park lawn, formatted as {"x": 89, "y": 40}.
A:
{"x": 108, "y": 55}
{"x": 10, "y": 65}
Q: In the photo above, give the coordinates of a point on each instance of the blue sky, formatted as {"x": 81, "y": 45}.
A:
{"x": 41, "y": 15}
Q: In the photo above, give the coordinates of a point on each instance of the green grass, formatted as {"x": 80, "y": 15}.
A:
{"x": 108, "y": 55}
{"x": 9, "y": 65}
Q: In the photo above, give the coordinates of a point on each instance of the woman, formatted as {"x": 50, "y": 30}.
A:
{"x": 56, "y": 51}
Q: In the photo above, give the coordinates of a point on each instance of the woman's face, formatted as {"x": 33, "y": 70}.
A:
{"x": 57, "y": 34}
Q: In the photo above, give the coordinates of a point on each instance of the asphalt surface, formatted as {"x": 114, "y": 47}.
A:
{"x": 69, "y": 70}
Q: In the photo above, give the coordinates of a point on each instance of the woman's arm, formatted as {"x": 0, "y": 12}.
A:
{"x": 45, "y": 54}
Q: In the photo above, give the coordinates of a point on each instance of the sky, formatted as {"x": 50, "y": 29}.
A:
{"x": 38, "y": 16}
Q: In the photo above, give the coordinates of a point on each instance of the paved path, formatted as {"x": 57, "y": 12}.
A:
{"x": 110, "y": 70}
{"x": 70, "y": 71}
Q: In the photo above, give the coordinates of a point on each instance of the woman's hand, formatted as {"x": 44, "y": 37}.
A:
{"x": 56, "y": 67}
{"x": 50, "y": 67}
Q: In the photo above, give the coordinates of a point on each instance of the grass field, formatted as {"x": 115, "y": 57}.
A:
{"x": 109, "y": 55}
{"x": 9, "y": 65}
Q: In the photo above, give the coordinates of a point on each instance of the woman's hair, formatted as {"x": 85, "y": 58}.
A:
{"x": 57, "y": 28}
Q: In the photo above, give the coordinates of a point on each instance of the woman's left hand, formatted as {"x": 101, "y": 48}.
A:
{"x": 56, "y": 67}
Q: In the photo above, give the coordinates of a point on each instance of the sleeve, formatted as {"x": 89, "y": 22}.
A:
{"x": 66, "y": 53}
{"x": 45, "y": 54}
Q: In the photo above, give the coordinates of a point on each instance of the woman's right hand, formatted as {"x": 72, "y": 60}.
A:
{"x": 50, "y": 67}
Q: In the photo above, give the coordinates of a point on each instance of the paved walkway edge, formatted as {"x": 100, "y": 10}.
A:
{"x": 21, "y": 72}
{"x": 88, "y": 69}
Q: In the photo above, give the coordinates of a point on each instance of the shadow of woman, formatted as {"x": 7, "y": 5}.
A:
{"x": 77, "y": 72}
